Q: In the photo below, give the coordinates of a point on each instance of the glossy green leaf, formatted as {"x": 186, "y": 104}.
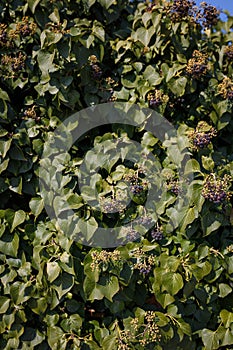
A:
{"x": 53, "y": 270}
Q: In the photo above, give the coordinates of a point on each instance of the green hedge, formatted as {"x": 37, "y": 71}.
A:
{"x": 170, "y": 288}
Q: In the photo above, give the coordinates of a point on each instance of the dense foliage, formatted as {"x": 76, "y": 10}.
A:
{"x": 170, "y": 288}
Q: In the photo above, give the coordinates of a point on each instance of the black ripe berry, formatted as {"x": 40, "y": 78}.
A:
{"x": 156, "y": 234}
{"x": 136, "y": 189}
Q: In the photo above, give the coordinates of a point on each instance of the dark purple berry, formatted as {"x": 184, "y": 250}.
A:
{"x": 145, "y": 270}
{"x": 156, "y": 234}
{"x": 136, "y": 189}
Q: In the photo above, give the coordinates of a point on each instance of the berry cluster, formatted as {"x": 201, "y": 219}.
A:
{"x": 157, "y": 98}
{"x": 143, "y": 263}
{"x": 215, "y": 189}
{"x": 103, "y": 257}
{"x": 182, "y": 9}
{"x": 229, "y": 52}
{"x": 144, "y": 268}
{"x": 96, "y": 70}
{"x": 144, "y": 220}
{"x": 11, "y": 66}
{"x": 226, "y": 89}
{"x": 131, "y": 176}
{"x": 136, "y": 189}
{"x": 173, "y": 186}
{"x": 111, "y": 205}
{"x": 201, "y": 136}
{"x": 157, "y": 234}
{"x": 137, "y": 185}
{"x": 130, "y": 233}
{"x": 25, "y": 27}
{"x": 210, "y": 15}
{"x": 197, "y": 66}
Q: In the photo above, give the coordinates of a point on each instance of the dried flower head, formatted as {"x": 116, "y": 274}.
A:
{"x": 228, "y": 52}
{"x": 31, "y": 113}
{"x": 226, "y": 88}
{"x": 143, "y": 332}
{"x": 11, "y": 66}
{"x": 197, "y": 65}
{"x": 157, "y": 98}
{"x": 92, "y": 59}
{"x": 181, "y": 10}
{"x": 210, "y": 15}
{"x": 25, "y": 27}
{"x": 103, "y": 257}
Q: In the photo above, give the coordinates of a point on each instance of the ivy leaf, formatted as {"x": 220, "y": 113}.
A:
{"x": 228, "y": 338}
{"x": 36, "y": 205}
{"x": 9, "y": 245}
{"x": 4, "y": 304}
{"x": 53, "y": 270}
{"x": 201, "y": 269}
{"x": 143, "y": 35}
{"x": 224, "y": 289}
{"x": 106, "y": 3}
{"x": 88, "y": 227}
{"x": 210, "y": 339}
{"x": 172, "y": 282}
{"x": 226, "y": 317}
{"x": 56, "y": 339}
{"x": 90, "y": 290}
{"x": 164, "y": 299}
{"x": 108, "y": 286}
{"x": 32, "y": 4}
{"x": 109, "y": 342}
{"x": 211, "y": 223}
{"x": 63, "y": 284}
{"x": 4, "y": 147}
{"x": 177, "y": 86}
{"x": 19, "y": 218}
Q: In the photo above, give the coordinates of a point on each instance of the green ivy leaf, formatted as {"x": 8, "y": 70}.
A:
{"x": 63, "y": 284}
{"x": 53, "y": 270}
{"x": 226, "y": 317}
{"x": 172, "y": 282}
{"x": 19, "y": 218}
{"x": 201, "y": 269}
{"x": 211, "y": 223}
{"x": 106, "y": 3}
{"x": 210, "y": 339}
{"x": 4, "y": 304}
{"x": 32, "y": 4}
{"x": 56, "y": 339}
{"x": 177, "y": 86}
{"x": 9, "y": 245}
{"x": 108, "y": 286}
{"x": 36, "y": 205}
{"x": 224, "y": 289}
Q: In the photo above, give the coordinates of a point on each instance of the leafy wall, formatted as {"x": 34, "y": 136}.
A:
{"x": 167, "y": 289}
